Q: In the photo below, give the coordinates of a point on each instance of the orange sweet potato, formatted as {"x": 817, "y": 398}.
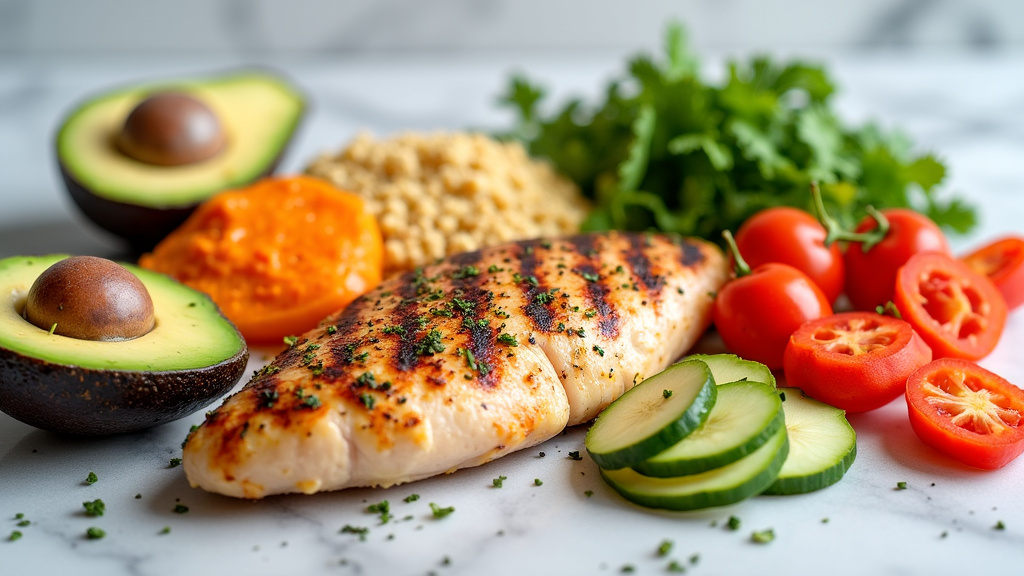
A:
{"x": 278, "y": 256}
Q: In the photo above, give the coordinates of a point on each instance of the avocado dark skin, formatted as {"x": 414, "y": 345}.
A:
{"x": 82, "y": 401}
{"x": 141, "y": 227}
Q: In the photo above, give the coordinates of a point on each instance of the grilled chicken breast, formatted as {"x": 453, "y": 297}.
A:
{"x": 459, "y": 363}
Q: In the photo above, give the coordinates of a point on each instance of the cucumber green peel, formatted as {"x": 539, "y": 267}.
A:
{"x": 729, "y": 484}
{"x": 823, "y": 445}
{"x": 745, "y": 416}
{"x": 731, "y": 368}
{"x": 653, "y": 415}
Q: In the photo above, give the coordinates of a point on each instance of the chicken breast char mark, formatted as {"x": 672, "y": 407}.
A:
{"x": 459, "y": 363}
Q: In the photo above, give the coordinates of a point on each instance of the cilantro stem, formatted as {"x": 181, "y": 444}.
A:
{"x": 834, "y": 231}
{"x": 740, "y": 266}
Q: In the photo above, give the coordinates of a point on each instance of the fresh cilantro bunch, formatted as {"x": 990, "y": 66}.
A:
{"x": 666, "y": 151}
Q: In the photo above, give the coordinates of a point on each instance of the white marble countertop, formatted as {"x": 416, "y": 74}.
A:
{"x": 967, "y": 108}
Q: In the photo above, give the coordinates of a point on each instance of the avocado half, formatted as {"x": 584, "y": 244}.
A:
{"x": 258, "y": 111}
{"x": 192, "y": 356}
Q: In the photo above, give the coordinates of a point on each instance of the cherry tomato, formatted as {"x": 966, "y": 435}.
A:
{"x": 871, "y": 274}
{"x": 857, "y": 361}
{"x": 756, "y": 313}
{"x": 967, "y": 412}
{"x": 957, "y": 311}
{"x": 1003, "y": 262}
{"x": 791, "y": 236}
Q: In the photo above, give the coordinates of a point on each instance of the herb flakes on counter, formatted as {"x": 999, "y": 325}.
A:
{"x": 763, "y": 536}
{"x": 440, "y": 512}
{"x": 668, "y": 151}
{"x": 15, "y": 535}
{"x": 91, "y": 478}
{"x": 94, "y": 533}
{"x": 95, "y": 508}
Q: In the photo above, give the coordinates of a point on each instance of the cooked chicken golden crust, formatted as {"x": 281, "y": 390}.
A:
{"x": 456, "y": 364}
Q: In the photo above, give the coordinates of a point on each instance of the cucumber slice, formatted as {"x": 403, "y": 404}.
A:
{"x": 729, "y": 484}
{"x": 731, "y": 368}
{"x": 653, "y": 415}
{"x": 745, "y": 416}
{"x": 823, "y": 445}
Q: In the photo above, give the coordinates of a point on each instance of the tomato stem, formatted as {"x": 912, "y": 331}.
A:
{"x": 834, "y": 231}
{"x": 890, "y": 309}
{"x": 740, "y": 266}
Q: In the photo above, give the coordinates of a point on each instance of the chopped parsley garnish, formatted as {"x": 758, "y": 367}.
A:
{"x": 575, "y": 455}
{"x": 394, "y": 329}
{"x": 174, "y": 463}
{"x": 628, "y": 569}
{"x": 268, "y": 398}
{"x": 664, "y": 548}
{"x": 466, "y": 272}
{"x": 590, "y": 276}
{"x": 166, "y": 530}
{"x": 588, "y": 493}
{"x": 360, "y": 531}
{"x": 440, "y": 512}
{"x": 15, "y": 535}
{"x": 901, "y": 485}
{"x": 763, "y": 536}
{"x": 508, "y": 339}
{"x": 666, "y": 394}
{"x": 546, "y": 297}
{"x": 430, "y": 344}
{"x": 411, "y": 498}
{"x": 482, "y": 367}
{"x": 383, "y": 508}
{"x": 733, "y": 523}
{"x": 999, "y": 525}
{"x": 599, "y": 350}
{"x": 95, "y": 508}
{"x": 332, "y": 329}
{"x": 464, "y": 306}
{"x": 24, "y": 523}
{"x": 675, "y": 567}
{"x": 19, "y": 515}
{"x": 291, "y": 341}
{"x": 590, "y": 313}
{"x": 94, "y": 533}
{"x": 494, "y": 268}
{"x": 91, "y": 478}
{"x": 311, "y": 401}
{"x": 499, "y": 481}
{"x": 368, "y": 400}
{"x": 180, "y": 509}
{"x": 537, "y": 482}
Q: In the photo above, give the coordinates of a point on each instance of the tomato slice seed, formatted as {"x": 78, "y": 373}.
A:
{"x": 969, "y": 405}
{"x": 956, "y": 306}
{"x": 855, "y": 337}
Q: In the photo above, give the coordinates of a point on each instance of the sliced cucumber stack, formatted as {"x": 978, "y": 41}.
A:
{"x": 823, "y": 445}
{"x": 729, "y": 484}
{"x": 745, "y": 416}
{"x": 652, "y": 416}
{"x": 731, "y": 368}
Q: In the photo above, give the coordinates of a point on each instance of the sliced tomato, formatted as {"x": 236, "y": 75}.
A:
{"x": 857, "y": 361}
{"x": 1003, "y": 262}
{"x": 957, "y": 311}
{"x": 967, "y": 412}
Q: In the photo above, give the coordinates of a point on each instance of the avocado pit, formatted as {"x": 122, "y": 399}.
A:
{"x": 90, "y": 298}
{"x": 171, "y": 129}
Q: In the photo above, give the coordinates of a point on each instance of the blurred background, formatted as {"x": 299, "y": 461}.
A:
{"x": 32, "y": 27}
{"x": 949, "y": 73}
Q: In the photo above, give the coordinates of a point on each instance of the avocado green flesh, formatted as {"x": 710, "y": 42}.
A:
{"x": 190, "y": 331}
{"x": 258, "y": 112}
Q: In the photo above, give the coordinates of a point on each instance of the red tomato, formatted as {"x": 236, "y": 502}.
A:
{"x": 967, "y": 412}
{"x": 1003, "y": 262}
{"x": 791, "y": 236}
{"x": 871, "y": 275}
{"x": 957, "y": 311}
{"x": 857, "y": 361}
{"x": 756, "y": 313}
